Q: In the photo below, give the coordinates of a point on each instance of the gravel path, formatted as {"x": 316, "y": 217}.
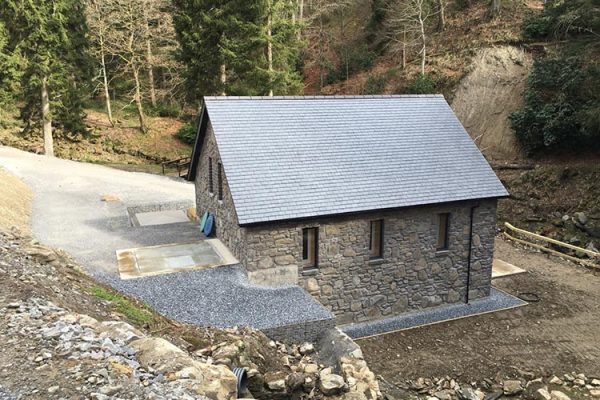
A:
{"x": 496, "y": 301}
{"x": 68, "y": 213}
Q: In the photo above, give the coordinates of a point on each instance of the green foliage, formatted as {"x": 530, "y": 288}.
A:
{"x": 562, "y": 19}
{"x": 137, "y": 315}
{"x": 165, "y": 110}
{"x": 561, "y": 104}
{"x": 353, "y": 58}
{"x": 10, "y": 67}
{"x": 187, "y": 133}
{"x": 536, "y": 26}
{"x": 49, "y": 38}
{"x": 422, "y": 84}
{"x": 375, "y": 84}
{"x": 213, "y": 33}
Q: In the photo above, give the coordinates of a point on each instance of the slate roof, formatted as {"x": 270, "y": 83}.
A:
{"x": 298, "y": 157}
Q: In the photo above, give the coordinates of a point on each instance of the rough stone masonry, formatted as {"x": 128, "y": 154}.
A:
{"x": 411, "y": 274}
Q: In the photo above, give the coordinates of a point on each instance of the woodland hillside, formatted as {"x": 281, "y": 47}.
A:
{"x": 74, "y": 70}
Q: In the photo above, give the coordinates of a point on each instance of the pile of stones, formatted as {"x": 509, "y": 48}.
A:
{"x": 529, "y": 387}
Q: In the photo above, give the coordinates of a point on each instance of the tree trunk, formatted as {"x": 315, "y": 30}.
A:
{"x": 150, "y": 72}
{"x": 423, "y": 38}
{"x": 223, "y": 79}
{"x": 300, "y": 17}
{"x": 105, "y": 81}
{"x": 404, "y": 49}
{"x": 46, "y": 121}
{"x": 441, "y": 15}
{"x": 496, "y": 5}
{"x": 270, "y": 51}
{"x": 138, "y": 98}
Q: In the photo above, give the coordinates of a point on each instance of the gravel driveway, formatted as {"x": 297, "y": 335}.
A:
{"x": 68, "y": 213}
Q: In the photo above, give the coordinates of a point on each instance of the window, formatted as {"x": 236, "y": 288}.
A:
{"x": 443, "y": 227}
{"x": 210, "y": 175}
{"x": 376, "y": 239}
{"x": 310, "y": 247}
{"x": 220, "y": 180}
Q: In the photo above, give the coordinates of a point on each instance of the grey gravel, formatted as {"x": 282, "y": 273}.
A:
{"x": 68, "y": 213}
{"x": 5, "y": 395}
{"x": 497, "y": 301}
{"x": 222, "y": 297}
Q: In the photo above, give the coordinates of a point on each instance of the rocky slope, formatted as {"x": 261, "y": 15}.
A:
{"x": 63, "y": 335}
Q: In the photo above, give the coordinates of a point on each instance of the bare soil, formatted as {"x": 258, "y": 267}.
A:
{"x": 123, "y": 146}
{"x": 15, "y": 202}
{"x": 558, "y": 334}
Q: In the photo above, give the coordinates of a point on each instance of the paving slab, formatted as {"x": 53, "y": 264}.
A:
{"x": 175, "y": 257}
{"x": 502, "y": 269}
{"x": 496, "y": 301}
{"x": 161, "y": 217}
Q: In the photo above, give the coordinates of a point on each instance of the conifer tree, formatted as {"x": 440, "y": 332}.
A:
{"x": 49, "y": 36}
{"x": 225, "y": 46}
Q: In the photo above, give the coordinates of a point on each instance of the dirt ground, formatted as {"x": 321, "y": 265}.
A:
{"x": 559, "y": 334}
{"x": 15, "y": 202}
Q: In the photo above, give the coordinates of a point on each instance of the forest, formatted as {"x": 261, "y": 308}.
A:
{"x": 59, "y": 59}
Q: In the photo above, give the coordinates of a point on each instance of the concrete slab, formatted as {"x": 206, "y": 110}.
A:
{"x": 165, "y": 259}
{"x": 502, "y": 268}
{"x": 161, "y": 217}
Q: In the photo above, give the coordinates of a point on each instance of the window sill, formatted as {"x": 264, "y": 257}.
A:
{"x": 376, "y": 261}
{"x": 442, "y": 253}
{"x": 310, "y": 271}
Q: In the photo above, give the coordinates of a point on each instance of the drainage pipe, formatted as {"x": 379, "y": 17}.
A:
{"x": 242, "y": 380}
{"x": 471, "y": 217}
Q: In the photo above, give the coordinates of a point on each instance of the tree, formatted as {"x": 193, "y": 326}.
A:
{"x": 283, "y": 49}
{"x": 9, "y": 69}
{"x": 50, "y": 37}
{"x": 127, "y": 41}
{"x": 100, "y": 25}
{"x": 409, "y": 17}
{"x": 237, "y": 47}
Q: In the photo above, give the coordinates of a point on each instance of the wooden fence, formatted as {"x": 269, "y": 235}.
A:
{"x": 530, "y": 239}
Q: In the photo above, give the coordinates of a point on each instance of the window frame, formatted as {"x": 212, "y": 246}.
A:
{"x": 379, "y": 254}
{"x": 211, "y": 185}
{"x": 305, "y": 248}
{"x": 220, "y": 181}
{"x": 443, "y": 217}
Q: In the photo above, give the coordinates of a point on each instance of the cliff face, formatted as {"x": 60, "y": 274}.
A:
{"x": 490, "y": 92}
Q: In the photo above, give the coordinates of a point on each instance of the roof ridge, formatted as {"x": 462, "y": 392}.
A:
{"x": 322, "y": 97}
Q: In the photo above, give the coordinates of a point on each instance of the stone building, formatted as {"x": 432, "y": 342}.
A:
{"x": 376, "y": 205}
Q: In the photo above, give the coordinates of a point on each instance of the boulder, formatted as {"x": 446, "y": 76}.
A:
{"x": 118, "y": 330}
{"x": 359, "y": 377}
{"x": 467, "y": 393}
{"x": 580, "y": 218}
{"x": 558, "y": 395}
{"x": 542, "y": 394}
{"x": 295, "y": 381}
{"x": 216, "y": 382}
{"x": 330, "y": 384}
{"x": 307, "y": 348}
{"x": 595, "y": 392}
{"x": 512, "y": 387}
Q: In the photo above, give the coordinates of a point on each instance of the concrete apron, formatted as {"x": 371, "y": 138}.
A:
{"x": 177, "y": 257}
{"x": 502, "y": 269}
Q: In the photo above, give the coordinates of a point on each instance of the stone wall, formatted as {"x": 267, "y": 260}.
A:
{"x": 410, "y": 275}
{"x": 226, "y": 226}
{"x": 301, "y": 331}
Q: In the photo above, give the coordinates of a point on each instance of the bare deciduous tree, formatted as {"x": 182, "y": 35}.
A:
{"x": 409, "y": 18}
{"x": 99, "y": 26}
